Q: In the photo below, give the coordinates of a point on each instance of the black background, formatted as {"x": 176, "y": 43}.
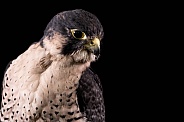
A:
{"x": 126, "y": 66}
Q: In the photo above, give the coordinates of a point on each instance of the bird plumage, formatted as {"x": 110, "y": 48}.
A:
{"x": 50, "y": 80}
{"x": 90, "y": 93}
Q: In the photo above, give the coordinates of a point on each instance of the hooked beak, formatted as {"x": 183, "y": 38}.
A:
{"x": 93, "y": 46}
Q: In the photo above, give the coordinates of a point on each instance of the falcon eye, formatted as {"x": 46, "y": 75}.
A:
{"x": 78, "y": 34}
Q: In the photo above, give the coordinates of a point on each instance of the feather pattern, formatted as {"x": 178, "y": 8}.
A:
{"x": 49, "y": 81}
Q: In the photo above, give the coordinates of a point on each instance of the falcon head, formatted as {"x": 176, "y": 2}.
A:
{"x": 74, "y": 33}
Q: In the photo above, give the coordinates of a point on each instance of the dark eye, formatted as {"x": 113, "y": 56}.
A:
{"x": 78, "y": 34}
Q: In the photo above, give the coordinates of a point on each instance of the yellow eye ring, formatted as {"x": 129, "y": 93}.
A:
{"x": 78, "y": 34}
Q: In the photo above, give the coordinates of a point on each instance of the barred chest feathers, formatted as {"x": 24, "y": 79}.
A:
{"x": 50, "y": 90}
{"x": 57, "y": 87}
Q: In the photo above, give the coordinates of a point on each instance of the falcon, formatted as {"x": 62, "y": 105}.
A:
{"x": 52, "y": 81}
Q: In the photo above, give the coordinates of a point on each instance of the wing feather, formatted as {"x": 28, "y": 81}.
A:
{"x": 90, "y": 96}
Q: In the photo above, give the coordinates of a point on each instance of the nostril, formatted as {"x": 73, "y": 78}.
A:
{"x": 92, "y": 42}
